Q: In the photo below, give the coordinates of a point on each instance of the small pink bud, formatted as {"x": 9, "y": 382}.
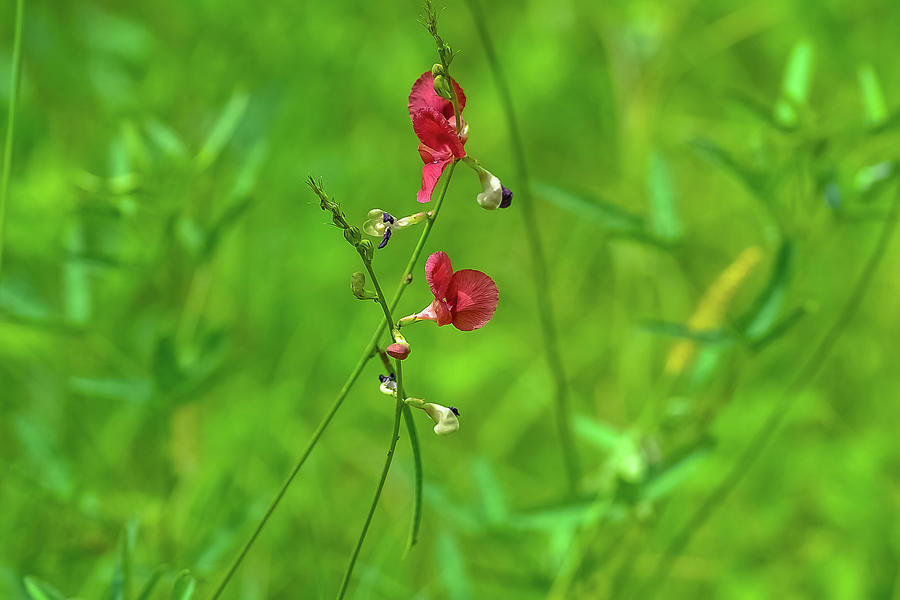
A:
{"x": 398, "y": 350}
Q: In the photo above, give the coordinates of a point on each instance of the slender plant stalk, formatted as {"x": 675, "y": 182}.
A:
{"x": 780, "y": 410}
{"x": 11, "y": 118}
{"x": 370, "y": 350}
{"x": 538, "y": 261}
{"x": 401, "y": 396}
{"x": 387, "y": 466}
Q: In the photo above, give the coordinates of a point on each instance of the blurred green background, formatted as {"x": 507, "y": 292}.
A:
{"x": 175, "y": 319}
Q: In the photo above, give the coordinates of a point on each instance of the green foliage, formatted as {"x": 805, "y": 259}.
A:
{"x": 174, "y": 315}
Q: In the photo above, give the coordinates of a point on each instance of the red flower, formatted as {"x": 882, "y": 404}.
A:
{"x": 466, "y": 298}
{"x": 435, "y": 125}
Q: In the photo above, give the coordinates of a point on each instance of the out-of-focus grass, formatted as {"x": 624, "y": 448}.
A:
{"x": 174, "y": 315}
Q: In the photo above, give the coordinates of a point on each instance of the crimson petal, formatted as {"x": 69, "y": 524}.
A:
{"x": 438, "y": 273}
{"x": 474, "y": 298}
{"x": 424, "y": 96}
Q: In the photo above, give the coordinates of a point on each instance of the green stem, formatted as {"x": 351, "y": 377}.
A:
{"x": 538, "y": 261}
{"x": 309, "y": 447}
{"x": 776, "y": 417}
{"x": 11, "y": 118}
{"x": 395, "y": 435}
{"x": 370, "y": 350}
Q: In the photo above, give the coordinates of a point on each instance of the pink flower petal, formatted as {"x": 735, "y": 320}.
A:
{"x": 436, "y": 132}
{"x": 438, "y": 273}
{"x": 423, "y": 95}
{"x": 474, "y": 298}
{"x": 438, "y": 311}
{"x": 430, "y": 175}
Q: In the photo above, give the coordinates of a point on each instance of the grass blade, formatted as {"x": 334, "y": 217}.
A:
{"x": 417, "y": 486}
{"x": 15, "y": 71}
{"x": 223, "y": 129}
{"x": 795, "y": 86}
{"x": 875, "y": 110}
{"x": 666, "y": 224}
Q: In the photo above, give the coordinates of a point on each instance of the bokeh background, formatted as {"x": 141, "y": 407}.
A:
{"x": 175, "y": 318}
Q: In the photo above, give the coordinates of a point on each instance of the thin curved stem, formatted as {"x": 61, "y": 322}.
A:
{"x": 369, "y": 351}
{"x": 538, "y": 261}
{"x": 15, "y": 70}
{"x": 766, "y": 432}
{"x": 395, "y": 435}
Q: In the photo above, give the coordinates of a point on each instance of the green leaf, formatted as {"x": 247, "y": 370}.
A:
{"x": 151, "y": 584}
{"x": 614, "y": 219}
{"x": 120, "y": 588}
{"x": 666, "y": 479}
{"x": 666, "y": 224}
{"x": 77, "y": 298}
{"x": 875, "y": 110}
{"x": 184, "y": 586}
{"x": 781, "y": 327}
{"x": 795, "y": 85}
{"x": 416, "y": 521}
{"x": 682, "y": 331}
{"x": 493, "y": 497}
{"x": 765, "y": 309}
{"x": 599, "y": 434}
{"x": 452, "y": 568}
{"x": 40, "y": 590}
{"x": 752, "y": 180}
{"x": 223, "y": 129}
{"x": 165, "y": 139}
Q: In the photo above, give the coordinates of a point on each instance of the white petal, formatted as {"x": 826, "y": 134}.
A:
{"x": 444, "y": 418}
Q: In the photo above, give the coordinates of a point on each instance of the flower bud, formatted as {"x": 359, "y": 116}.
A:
{"x": 442, "y": 87}
{"x": 446, "y": 420}
{"x": 398, "y": 350}
{"x": 366, "y": 249}
{"x": 437, "y": 70}
{"x": 492, "y": 195}
{"x": 352, "y": 235}
{"x": 358, "y": 287}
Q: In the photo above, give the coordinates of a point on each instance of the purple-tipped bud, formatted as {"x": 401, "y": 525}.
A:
{"x": 385, "y": 237}
{"x": 387, "y": 218}
{"x": 506, "y": 198}
{"x": 454, "y": 410}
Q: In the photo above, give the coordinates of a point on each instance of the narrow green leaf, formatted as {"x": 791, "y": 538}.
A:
{"x": 453, "y": 568}
{"x": 120, "y": 587}
{"x": 752, "y": 180}
{"x": 682, "y": 331}
{"x": 795, "y": 85}
{"x": 614, "y": 219}
{"x": 679, "y": 467}
{"x": 597, "y": 433}
{"x": 184, "y": 586}
{"x": 493, "y": 497}
{"x": 666, "y": 224}
{"x": 165, "y": 139}
{"x": 418, "y": 482}
{"x": 223, "y": 129}
{"x": 40, "y": 590}
{"x": 875, "y": 109}
{"x": 765, "y": 309}
{"x": 781, "y": 327}
{"x": 77, "y": 301}
{"x": 151, "y": 584}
